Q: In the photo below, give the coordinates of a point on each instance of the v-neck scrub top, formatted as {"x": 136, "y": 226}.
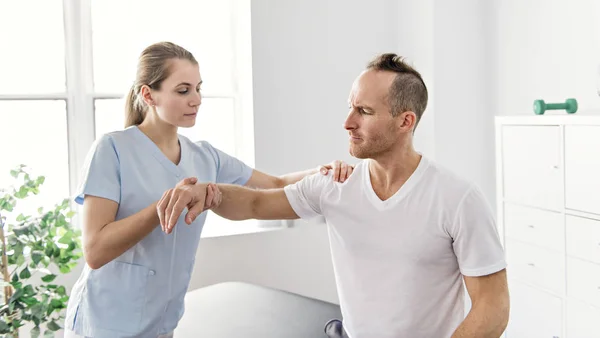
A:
{"x": 141, "y": 293}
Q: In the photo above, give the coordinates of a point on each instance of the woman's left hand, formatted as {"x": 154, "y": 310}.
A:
{"x": 341, "y": 170}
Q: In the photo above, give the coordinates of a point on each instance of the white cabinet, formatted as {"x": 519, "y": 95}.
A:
{"x": 583, "y": 320}
{"x": 533, "y": 182}
{"x": 548, "y": 203}
{"x": 534, "y": 314}
{"x": 582, "y": 168}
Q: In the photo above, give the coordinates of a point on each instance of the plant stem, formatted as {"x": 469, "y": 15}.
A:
{"x": 7, "y": 289}
{"x": 5, "y": 274}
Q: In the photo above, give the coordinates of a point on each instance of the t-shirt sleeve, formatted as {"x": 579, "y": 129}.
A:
{"x": 230, "y": 170}
{"x": 305, "y": 195}
{"x": 100, "y": 175}
{"x": 476, "y": 241}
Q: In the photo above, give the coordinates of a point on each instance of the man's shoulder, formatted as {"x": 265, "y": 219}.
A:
{"x": 448, "y": 182}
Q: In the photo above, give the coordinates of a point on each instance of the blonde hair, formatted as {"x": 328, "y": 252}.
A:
{"x": 152, "y": 70}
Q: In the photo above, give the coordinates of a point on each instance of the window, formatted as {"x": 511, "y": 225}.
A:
{"x": 75, "y": 88}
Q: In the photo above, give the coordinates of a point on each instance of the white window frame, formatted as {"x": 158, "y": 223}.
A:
{"x": 80, "y": 95}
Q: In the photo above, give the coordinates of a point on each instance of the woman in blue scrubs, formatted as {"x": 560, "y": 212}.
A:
{"x": 136, "y": 275}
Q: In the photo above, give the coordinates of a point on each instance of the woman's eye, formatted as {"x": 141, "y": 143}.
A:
{"x": 184, "y": 91}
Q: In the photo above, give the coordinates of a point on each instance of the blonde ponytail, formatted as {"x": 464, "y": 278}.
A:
{"x": 134, "y": 110}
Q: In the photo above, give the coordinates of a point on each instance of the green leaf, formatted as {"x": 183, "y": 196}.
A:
{"x": 36, "y": 257}
{"x": 53, "y": 326}
{"x": 3, "y": 326}
{"x": 57, "y": 304}
{"x": 49, "y": 334}
{"x": 66, "y": 239}
{"x": 40, "y": 180}
{"x": 29, "y": 301}
{"x": 22, "y": 193}
{"x": 25, "y": 273}
{"x": 35, "y": 332}
{"x": 64, "y": 269}
{"x": 48, "y": 278}
{"x": 49, "y": 250}
{"x": 20, "y": 259}
{"x": 15, "y": 278}
{"x": 28, "y": 290}
{"x": 14, "y": 173}
{"x": 15, "y": 296}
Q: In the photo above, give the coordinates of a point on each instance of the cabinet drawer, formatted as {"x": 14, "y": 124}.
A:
{"x": 539, "y": 227}
{"x": 537, "y": 266}
{"x": 582, "y": 168}
{"x": 533, "y": 313}
{"x": 583, "y": 281}
{"x": 532, "y": 172}
{"x": 582, "y": 320}
{"x": 583, "y": 238}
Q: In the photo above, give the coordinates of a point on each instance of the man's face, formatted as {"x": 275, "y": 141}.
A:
{"x": 373, "y": 131}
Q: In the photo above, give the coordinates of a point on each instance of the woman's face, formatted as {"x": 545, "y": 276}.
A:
{"x": 178, "y": 99}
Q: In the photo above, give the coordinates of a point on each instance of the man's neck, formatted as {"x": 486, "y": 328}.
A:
{"x": 388, "y": 173}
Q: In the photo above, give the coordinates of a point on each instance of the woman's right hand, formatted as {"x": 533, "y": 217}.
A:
{"x": 197, "y": 197}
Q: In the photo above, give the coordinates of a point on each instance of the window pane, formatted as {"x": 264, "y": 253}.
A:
{"x": 109, "y": 116}
{"x": 34, "y": 133}
{"x": 201, "y": 26}
{"x": 215, "y": 122}
{"x": 32, "y": 60}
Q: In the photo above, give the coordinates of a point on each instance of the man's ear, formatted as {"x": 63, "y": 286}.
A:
{"x": 407, "y": 120}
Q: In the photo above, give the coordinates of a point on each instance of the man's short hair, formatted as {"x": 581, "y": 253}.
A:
{"x": 408, "y": 91}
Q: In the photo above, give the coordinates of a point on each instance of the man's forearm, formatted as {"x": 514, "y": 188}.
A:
{"x": 237, "y": 202}
{"x": 483, "y": 321}
{"x": 240, "y": 203}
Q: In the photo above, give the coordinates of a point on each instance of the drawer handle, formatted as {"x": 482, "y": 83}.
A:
{"x": 531, "y": 265}
{"x": 531, "y": 226}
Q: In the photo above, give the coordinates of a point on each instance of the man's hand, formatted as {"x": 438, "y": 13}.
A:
{"x": 341, "y": 170}
{"x": 187, "y": 193}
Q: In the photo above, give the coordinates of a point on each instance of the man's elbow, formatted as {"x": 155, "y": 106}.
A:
{"x": 504, "y": 311}
{"x": 500, "y": 312}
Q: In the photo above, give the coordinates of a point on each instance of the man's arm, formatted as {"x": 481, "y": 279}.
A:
{"x": 339, "y": 169}
{"x": 490, "y": 307}
{"x": 240, "y": 203}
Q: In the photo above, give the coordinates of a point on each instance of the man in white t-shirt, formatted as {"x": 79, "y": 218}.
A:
{"x": 404, "y": 232}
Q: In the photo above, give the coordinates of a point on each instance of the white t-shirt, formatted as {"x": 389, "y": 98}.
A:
{"x": 398, "y": 262}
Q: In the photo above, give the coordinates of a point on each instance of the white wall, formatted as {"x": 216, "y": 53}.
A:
{"x": 546, "y": 49}
{"x": 464, "y": 128}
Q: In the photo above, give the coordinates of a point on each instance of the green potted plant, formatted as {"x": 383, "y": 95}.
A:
{"x": 34, "y": 249}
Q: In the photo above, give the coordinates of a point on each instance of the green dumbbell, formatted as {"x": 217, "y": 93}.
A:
{"x": 539, "y": 106}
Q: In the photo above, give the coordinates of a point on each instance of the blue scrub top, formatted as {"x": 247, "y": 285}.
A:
{"x": 141, "y": 293}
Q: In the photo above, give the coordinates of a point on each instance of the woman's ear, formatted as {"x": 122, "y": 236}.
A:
{"x": 147, "y": 95}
